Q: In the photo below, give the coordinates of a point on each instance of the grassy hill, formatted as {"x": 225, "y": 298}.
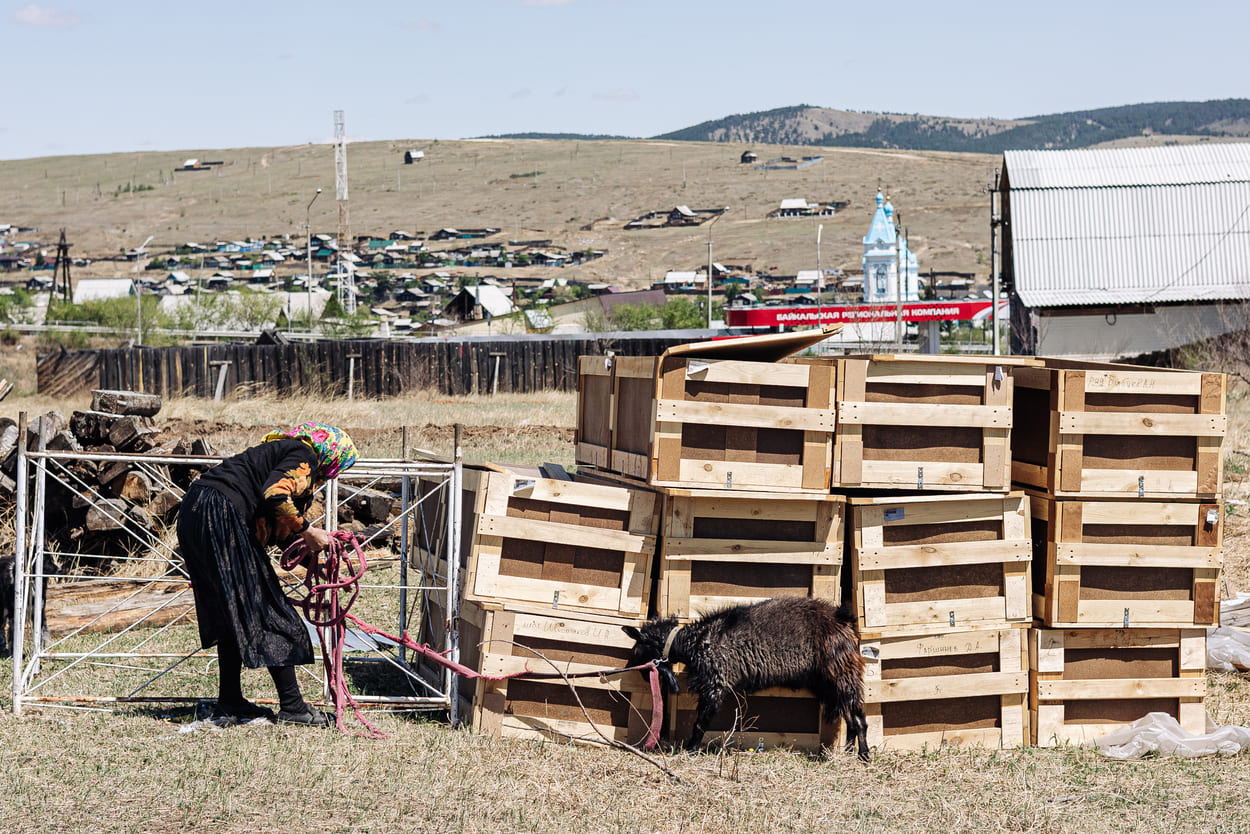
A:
{"x": 806, "y": 125}
{"x": 578, "y": 194}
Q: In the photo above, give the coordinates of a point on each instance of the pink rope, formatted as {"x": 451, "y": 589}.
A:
{"x": 329, "y": 613}
{"x": 326, "y": 608}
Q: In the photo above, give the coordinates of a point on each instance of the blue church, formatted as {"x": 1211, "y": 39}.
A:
{"x": 882, "y": 259}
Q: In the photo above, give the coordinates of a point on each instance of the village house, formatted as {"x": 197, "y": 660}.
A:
{"x": 462, "y": 234}
{"x": 800, "y": 207}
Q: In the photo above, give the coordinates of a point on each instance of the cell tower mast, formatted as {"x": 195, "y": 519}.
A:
{"x": 347, "y": 280}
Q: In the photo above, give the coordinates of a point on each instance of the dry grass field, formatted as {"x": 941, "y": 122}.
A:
{"x": 480, "y": 183}
{"x": 132, "y": 771}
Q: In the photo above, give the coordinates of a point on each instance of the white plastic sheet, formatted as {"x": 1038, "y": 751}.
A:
{"x": 1159, "y": 733}
{"x": 1228, "y": 649}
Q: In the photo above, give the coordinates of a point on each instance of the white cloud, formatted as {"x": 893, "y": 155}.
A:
{"x": 616, "y": 95}
{"x": 524, "y": 92}
{"x": 547, "y": 3}
{"x": 33, "y": 15}
{"x": 419, "y": 98}
{"x": 423, "y": 25}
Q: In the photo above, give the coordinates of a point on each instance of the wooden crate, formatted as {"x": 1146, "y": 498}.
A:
{"x": 576, "y": 546}
{"x": 774, "y": 717}
{"x": 928, "y": 564}
{"x": 967, "y": 688}
{"x": 1107, "y": 563}
{"x": 722, "y": 548}
{"x": 1116, "y": 431}
{"x": 928, "y": 423}
{"x": 717, "y": 415}
{"x": 498, "y": 640}
{"x": 1085, "y": 683}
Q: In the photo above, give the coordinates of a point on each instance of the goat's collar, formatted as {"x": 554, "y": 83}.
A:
{"x": 668, "y": 644}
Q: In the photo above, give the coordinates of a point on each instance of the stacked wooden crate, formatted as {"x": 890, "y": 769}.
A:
{"x": 969, "y": 496}
{"x": 941, "y": 587}
{"x": 760, "y": 458}
{"x": 940, "y": 577}
{"x": 739, "y": 446}
{"x": 552, "y": 570}
{"x": 1123, "y": 467}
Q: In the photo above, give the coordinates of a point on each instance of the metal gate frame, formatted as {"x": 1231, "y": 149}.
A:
{"x": 431, "y": 586}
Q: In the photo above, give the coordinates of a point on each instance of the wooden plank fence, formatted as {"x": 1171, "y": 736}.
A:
{"x": 383, "y": 368}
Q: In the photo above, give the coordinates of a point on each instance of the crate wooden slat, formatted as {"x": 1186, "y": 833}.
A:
{"x": 499, "y": 640}
{"x": 932, "y": 423}
{"x": 593, "y": 442}
{"x": 1105, "y": 563}
{"x": 928, "y": 564}
{"x": 631, "y": 416}
{"x": 1119, "y": 431}
{"x": 722, "y": 548}
{"x": 715, "y": 415}
{"x": 1085, "y": 683}
{"x": 584, "y": 547}
{"x": 967, "y": 688}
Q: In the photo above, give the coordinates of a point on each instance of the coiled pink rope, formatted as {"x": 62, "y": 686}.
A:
{"x": 330, "y": 595}
{"x": 333, "y": 585}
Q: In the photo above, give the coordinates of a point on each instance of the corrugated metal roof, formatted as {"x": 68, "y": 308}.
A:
{"x": 1083, "y": 236}
{"x": 96, "y": 289}
{"x": 1097, "y": 168}
{"x": 493, "y": 300}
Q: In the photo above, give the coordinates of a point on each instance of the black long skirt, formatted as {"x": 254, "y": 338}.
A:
{"x": 237, "y": 594}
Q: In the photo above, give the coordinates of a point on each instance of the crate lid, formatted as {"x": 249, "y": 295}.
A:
{"x": 768, "y": 348}
{"x": 950, "y": 358}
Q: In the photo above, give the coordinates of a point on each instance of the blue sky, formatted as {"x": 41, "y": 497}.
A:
{"x": 85, "y": 76}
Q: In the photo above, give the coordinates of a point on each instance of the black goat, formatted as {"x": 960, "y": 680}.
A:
{"x": 787, "y": 641}
{"x": 8, "y": 578}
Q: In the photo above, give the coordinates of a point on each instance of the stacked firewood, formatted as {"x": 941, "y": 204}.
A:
{"x": 92, "y": 502}
{"x": 120, "y": 486}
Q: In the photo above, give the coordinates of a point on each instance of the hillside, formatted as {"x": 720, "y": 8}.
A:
{"x": 806, "y": 125}
{"x": 575, "y": 194}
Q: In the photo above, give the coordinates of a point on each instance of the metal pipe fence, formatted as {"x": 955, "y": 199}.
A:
{"x": 137, "y": 643}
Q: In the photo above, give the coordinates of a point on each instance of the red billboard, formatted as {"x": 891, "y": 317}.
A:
{"x": 913, "y": 311}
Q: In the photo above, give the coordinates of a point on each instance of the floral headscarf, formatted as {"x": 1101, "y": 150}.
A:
{"x": 334, "y": 449}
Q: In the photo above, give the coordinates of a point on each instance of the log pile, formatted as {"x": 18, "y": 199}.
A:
{"x": 104, "y": 505}
{"x": 91, "y": 502}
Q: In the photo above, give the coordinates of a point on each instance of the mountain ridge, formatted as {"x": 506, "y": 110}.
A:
{"x": 828, "y": 127}
{"x": 805, "y": 124}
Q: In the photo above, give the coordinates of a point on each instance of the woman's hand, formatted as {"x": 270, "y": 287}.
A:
{"x": 316, "y": 539}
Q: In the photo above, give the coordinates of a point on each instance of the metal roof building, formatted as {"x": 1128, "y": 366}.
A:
{"x": 100, "y": 289}
{"x": 1125, "y": 232}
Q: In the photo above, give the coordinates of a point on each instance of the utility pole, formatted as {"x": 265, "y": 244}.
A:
{"x": 62, "y": 269}
{"x": 308, "y": 233}
{"x": 898, "y": 281}
{"x": 820, "y": 278}
{"x": 347, "y": 282}
{"x": 996, "y": 224}
{"x": 139, "y": 292}
{"x": 709, "y": 266}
